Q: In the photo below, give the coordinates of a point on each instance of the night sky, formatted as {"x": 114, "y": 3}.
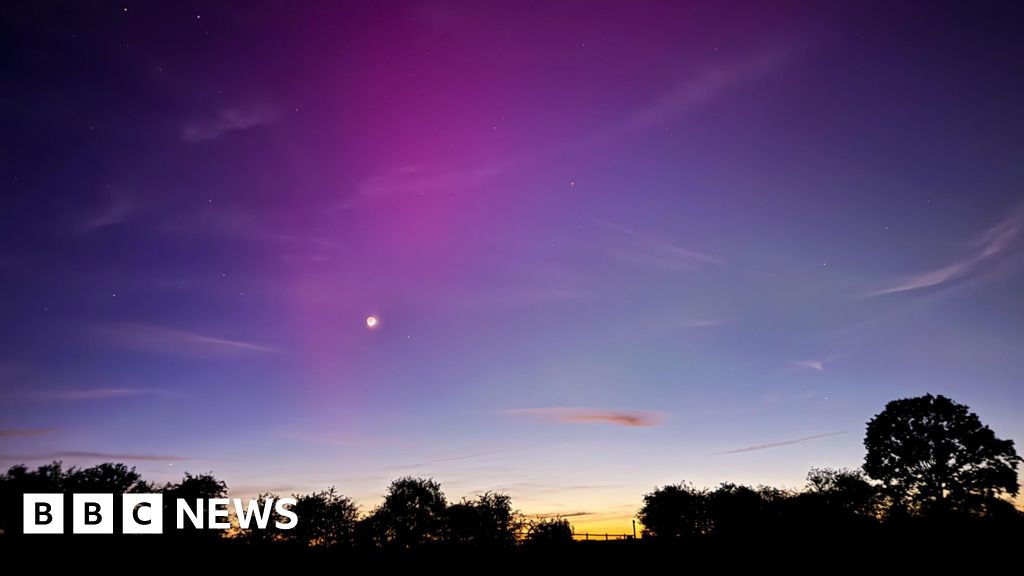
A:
{"x": 607, "y": 245}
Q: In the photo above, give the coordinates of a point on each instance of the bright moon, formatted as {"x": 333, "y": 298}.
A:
{"x": 371, "y": 321}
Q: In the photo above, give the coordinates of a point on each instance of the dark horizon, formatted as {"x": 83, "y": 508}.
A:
{"x": 564, "y": 251}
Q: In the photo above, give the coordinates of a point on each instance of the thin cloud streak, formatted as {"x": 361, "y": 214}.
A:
{"x": 416, "y": 180}
{"x": 655, "y": 252}
{"x": 703, "y": 323}
{"x": 818, "y": 365}
{"x": 629, "y": 418}
{"x": 106, "y": 456}
{"x": 525, "y": 296}
{"x": 544, "y": 515}
{"x": 990, "y": 244}
{"x": 25, "y": 432}
{"x": 234, "y": 221}
{"x": 700, "y": 89}
{"x": 100, "y": 393}
{"x": 443, "y": 459}
{"x": 758, "y": 447}
{"x": 229, "y": 120}
{"x": 147, "y": 336}
{"x": 115, "y": 211}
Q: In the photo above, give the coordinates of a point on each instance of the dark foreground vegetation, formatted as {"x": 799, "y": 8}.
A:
{"x": 934, "y": 478}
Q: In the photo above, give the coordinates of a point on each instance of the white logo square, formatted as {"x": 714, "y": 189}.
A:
{"x": 43, "y": 514}
{"x": 142, "y": 514}
{"x": 92, "y": 514}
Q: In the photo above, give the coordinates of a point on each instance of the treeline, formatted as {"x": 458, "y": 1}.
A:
{"x": 835, "y": 503}
{"x": 414, "y": 513}
{"x": 931, "y": 467}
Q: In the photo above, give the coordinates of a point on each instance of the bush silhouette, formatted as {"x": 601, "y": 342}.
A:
{"x": 549, "y": 532}
{"x": 676, "y": 511}
{"x": 486, "y": 521}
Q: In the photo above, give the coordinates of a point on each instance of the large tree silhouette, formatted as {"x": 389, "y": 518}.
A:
{"x": 413, "y": 514}
{"x": 933, "y": 455}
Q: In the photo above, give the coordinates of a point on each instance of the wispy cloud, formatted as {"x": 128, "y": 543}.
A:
{"x": 106, "y": 456}
{"x": 987, "y": 246}
{"x": 443, "y": 459}
{"x": 113, "y": 211}
{"x": 335, "y": 439}
{"x": 770, "y": 445}
{"x": 548, "y": 489}
{"x": 7, "y": 368}
{"x": 150, "y": 337}
{"x": 235, "y": 221}
{"x": 702, "y": 323}
{"x": 99, "y": 393}
{"x": 543, "y": 515}
{"x": 818, "y": 365}
{"x": 227, "y": 121}
{"x": 701, "y": 88}
{"x": 415, "y": 180}
{"x": 644, "y": 249}
{"x": 677, "y": 101}
{"x": 525, "y": 296}
{"x": 25, "y": 432}
{"x": 630, "y": 418}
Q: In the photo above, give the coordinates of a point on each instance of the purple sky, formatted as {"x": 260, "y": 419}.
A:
{"x": 609, "y": 245}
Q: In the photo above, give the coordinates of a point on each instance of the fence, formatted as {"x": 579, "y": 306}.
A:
{"x": 605, "y": 537}
{"x": 521, "y": 537}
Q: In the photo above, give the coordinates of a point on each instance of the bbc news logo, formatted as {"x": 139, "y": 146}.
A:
{"x": 143, "y": 513}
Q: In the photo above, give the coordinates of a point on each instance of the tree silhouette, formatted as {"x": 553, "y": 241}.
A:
{"x": 19, "y": 480}
{"x": 549, "y": 532}
{"x": 412, "y": 514}
{"x": 326, "y": 519}
{"x": 843, "y": 492}
{"x": 107, "y": 477}
{"x": 835, "y": 503}
{"x": 932, "y": 455}
{"x": 489, "y": 521}
{"x": 255, "y": 535}
{"x": 192, "y": 488}
{"x": 737, "y": 510}
{"x": 675, "y": 511}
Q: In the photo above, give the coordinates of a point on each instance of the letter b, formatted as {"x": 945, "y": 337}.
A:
{"x": 92, "y": 514}
{"x": 43, "y": 514}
